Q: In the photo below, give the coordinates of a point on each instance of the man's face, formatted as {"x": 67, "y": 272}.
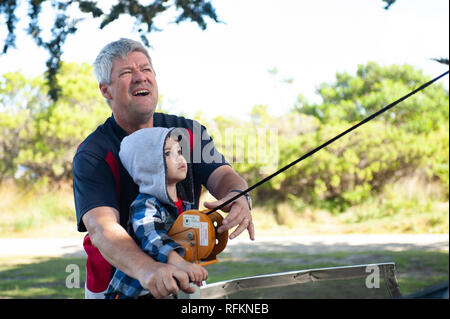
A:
{"x": 132, "y": 92}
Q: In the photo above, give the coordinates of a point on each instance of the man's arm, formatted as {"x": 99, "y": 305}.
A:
{"x": 120, "y": 250}
{"x": 220, "y": 183}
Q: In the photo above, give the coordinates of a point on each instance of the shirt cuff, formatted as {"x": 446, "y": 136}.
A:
{"x": 165, "y": 250}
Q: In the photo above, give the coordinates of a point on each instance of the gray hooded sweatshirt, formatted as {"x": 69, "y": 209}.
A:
{"x": 142, "y": 155}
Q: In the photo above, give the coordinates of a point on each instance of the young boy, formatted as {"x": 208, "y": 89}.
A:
{"x": 154, "y": 160}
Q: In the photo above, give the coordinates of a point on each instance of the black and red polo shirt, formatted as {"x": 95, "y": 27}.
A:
{"x": 99, "y": 178}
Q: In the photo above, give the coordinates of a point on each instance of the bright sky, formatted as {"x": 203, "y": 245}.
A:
{"x": 224, "y": 70}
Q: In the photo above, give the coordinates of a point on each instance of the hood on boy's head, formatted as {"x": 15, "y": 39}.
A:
{"x": 142, "y": 155}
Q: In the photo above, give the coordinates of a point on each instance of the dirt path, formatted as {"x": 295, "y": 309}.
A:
{"x": 318, "y": 244}
{"x": 241, "y": 246}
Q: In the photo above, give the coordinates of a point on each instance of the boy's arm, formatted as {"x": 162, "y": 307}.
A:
{"x": 150, "y": 228}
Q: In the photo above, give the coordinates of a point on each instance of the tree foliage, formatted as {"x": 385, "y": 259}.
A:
{"x": 38, "y": 137}
{"x": 64, "y": 24}
{"x": 388, "y": 3}
{"x": 352, "y": 98}
{"x": 411, "y": 139}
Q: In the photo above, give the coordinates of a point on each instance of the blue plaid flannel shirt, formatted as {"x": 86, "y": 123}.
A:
{"x": 151, "y": 223}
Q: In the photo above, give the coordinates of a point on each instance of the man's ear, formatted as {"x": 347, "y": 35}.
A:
{"x": 105, "y": 91}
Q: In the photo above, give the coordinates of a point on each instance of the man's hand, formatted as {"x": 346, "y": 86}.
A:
{"x": 221, "y": 181}
{"x": 238, "y": 214}
{"x": 163, "y": 279}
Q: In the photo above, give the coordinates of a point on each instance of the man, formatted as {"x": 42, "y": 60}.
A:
{"x": 104, "y": 190}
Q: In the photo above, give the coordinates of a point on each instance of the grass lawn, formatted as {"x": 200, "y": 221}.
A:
{"x": 46, "y": 277}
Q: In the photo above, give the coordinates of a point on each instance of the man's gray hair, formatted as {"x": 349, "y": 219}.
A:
{"x": 120, "y": 48}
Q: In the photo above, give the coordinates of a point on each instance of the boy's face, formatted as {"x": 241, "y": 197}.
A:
{"x": 175, "y": 162}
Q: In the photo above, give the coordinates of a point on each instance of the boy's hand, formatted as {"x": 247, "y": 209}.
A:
{"x": 195, "y": 272}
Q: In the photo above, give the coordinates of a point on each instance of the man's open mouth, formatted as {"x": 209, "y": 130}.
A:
{"x": 141, "y": 93}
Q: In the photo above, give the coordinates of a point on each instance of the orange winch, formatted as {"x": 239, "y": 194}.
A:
{"x": 197, "y": 233}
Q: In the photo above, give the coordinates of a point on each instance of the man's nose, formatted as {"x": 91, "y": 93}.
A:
{"x": 138, "y": 76}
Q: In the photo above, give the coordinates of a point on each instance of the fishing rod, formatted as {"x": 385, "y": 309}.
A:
{"x": 310, "y": 153}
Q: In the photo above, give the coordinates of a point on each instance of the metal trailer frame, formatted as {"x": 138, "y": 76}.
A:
{"x": 223, "y": 289}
